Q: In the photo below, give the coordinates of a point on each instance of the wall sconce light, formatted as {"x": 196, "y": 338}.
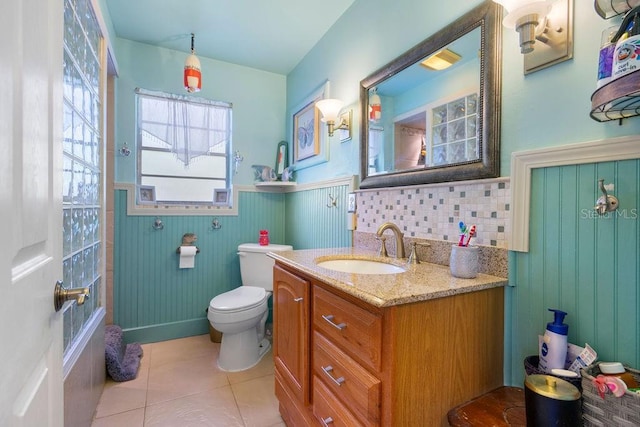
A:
{"x": 525, "y": 16}
{"x": 548, "y": 22}
{"x": 192, "y": 71}
{"x": 330, "y": 110}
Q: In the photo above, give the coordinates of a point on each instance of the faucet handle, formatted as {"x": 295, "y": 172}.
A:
{"x": 383, "y": 247}
{"x": 413, "y": 257}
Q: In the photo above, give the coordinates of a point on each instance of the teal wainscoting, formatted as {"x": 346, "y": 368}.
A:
{"x": 154, "y": 300}
{"x": 579, "y": 262}
{"x": 312, "y": 224}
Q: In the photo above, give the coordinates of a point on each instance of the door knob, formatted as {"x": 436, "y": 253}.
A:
{"x": 62, "y": 294}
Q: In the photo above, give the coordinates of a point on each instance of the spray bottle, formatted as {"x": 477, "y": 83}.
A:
{"x": 553, "y": 348}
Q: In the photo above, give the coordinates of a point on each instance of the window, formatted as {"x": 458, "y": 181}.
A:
{"x": 454, "y": 131}
{"x": 83, "y": 177}
{"x": 183, "y": 147}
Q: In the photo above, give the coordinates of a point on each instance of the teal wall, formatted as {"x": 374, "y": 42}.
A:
{"x": 373, "y": 32}
{"x": 603, "y": 311}
{"x": 153, "y": 299}
{"x": 258, "y": 99}
{"x": 543, "y": 109}
{"x": 586, "y": 265}
{"x": 312, "y": 224}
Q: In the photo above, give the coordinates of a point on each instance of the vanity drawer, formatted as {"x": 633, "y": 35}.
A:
{"x": 328, "y": 410}
{"x": 347, "y": 380}
{"x": 357, "y": 331}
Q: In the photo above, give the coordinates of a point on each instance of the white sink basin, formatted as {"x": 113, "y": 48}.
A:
{"x": 360, "y": 266}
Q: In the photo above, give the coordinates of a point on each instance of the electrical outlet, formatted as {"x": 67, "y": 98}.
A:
{"x": 351, "y": 202}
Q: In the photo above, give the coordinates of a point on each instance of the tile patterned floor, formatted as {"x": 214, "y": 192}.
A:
{"x": 180, "y": 384}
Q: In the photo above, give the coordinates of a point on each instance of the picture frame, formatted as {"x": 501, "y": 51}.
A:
{"x": 147, "y": 194}
{"x": 306, "y": 132}
{"x": 221, "y": 196}
{"x": 309, "y": 136}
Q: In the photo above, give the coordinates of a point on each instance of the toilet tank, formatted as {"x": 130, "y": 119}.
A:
{"x": 256, "y": 268}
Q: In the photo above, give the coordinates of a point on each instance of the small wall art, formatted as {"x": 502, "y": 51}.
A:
{"x": 309, "y": 139}
{"x": 221, "y": 196}
{"x": 146, "y": 194}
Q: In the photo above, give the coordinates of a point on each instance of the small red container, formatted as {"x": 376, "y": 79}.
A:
{"x": 264, "y": 238}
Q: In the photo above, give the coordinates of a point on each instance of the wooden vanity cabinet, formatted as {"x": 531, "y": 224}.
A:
{"x": 291, "y": 345}
{"x": 404, "y": 365}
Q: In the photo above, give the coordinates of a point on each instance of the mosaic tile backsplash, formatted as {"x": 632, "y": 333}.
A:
{"x": 433, "y": 211}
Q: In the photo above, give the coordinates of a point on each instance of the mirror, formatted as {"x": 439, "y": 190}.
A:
{"x": 421, "y": 125}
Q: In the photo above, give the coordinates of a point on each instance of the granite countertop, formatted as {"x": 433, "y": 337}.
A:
{"x": 419, "y": 283}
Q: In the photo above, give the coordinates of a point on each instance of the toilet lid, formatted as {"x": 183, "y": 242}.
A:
{"x": 241, "y": 298}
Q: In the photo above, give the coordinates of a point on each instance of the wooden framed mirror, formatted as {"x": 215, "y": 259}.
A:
{"x": 424, "y": 125}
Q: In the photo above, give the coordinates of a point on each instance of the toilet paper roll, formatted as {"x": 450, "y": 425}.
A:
{"x": 188, "y": 256}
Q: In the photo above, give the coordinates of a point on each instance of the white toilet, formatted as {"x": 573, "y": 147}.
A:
{"x": 241, "y": 314}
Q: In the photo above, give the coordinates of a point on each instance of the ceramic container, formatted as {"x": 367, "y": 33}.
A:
{"x": 463, "y": 262}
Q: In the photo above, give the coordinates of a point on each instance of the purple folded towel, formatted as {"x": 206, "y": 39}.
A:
{"x": 122, "y": 361}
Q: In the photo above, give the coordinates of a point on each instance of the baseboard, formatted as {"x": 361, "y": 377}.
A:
{"x": 167, "y": 331}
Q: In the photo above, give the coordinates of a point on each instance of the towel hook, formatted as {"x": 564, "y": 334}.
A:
{"x": 606, "y": 202}
{"x": 215, "y": 224}
{"x": 332, "y": 201}
{"x": 157, "y": 224}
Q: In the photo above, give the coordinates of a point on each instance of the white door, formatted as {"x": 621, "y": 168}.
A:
{"x": 31, "y": 389}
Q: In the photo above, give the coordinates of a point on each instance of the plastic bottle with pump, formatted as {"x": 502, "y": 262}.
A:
{"x": 553, "y": 348}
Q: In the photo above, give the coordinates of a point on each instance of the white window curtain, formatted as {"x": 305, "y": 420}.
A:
{"x": 189, "y": 127}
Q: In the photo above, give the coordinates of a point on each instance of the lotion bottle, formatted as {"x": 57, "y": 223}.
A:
{"x": 553, "y": 349}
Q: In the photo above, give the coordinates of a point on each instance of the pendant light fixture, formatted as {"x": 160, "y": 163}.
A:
{"x": 375, "y": 106}
{"x": 192, "y": 73}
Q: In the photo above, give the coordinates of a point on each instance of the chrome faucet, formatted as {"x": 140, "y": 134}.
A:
{"x": 398, "y": 235}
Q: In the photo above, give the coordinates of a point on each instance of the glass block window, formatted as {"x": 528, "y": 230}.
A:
{"x": 82, "y": 173}
{"x": 454, "y": 131}
{"x": 183, "y": 148}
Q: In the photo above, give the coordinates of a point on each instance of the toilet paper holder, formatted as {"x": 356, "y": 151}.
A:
{"x": 188, "y": 239}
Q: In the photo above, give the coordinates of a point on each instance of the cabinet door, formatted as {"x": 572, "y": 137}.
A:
{"x": 291, "y": 331}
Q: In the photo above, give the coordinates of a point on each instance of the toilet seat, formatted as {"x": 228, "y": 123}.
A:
{"x": 239, "y": 299}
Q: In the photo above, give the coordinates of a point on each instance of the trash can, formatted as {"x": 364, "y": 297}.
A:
{"x": 214, "y": 334}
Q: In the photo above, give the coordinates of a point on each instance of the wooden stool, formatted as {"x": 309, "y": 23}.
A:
{"x": 503, "y": 406}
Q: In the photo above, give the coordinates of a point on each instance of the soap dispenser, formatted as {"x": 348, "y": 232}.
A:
{"x": 553, "y": 348}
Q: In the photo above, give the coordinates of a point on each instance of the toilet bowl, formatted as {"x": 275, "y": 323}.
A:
{"x": 241, "y": 313}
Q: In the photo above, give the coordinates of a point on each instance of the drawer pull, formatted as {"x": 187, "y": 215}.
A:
{"x": 329, "y": 319}
{"x": 327, "y": 421}
{"x": 328, "y": 371}
{"x": 298, "y": 299}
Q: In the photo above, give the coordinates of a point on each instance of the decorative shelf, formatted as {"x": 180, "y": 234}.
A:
{"x": 274, "y": 185}
{"x": 618, "y": 99}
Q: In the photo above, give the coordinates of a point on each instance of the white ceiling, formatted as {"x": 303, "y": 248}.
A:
{"x": 270, "y": 35}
